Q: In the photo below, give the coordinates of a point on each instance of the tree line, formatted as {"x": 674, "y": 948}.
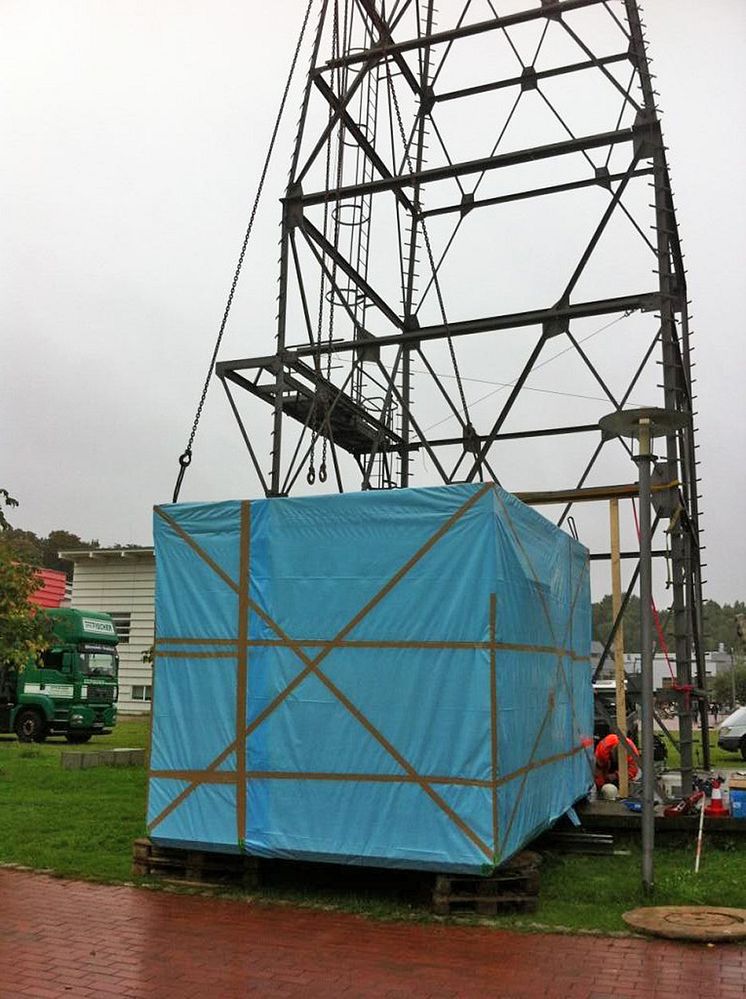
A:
{"x": 24, "y": 632}
{"x": 718, "y": 624}
{"x": 23, "y": 551}
{"x": 42, "y": 552}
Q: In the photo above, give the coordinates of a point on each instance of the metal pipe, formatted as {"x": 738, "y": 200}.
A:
{"x": 644, "y": 461}
{"x": 616, "y": 606}
{"x": 733, "y": 679}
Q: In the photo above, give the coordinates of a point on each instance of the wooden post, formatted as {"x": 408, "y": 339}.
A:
{"x": 616, "y": 604}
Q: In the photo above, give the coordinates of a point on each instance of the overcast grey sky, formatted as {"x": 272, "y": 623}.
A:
{"x": 133, "y": 134}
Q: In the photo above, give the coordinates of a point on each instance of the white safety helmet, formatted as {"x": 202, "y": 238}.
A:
{"x": 610, "y": 792}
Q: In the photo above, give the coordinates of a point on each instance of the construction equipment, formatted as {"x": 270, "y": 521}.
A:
{"x": 71, "y": 689}
{"x": 406, "y": 237}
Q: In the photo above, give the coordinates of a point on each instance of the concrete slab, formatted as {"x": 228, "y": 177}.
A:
{"x": 129, "y": 757}
{"x": 82, "y": 760}
{"x": 71, "y": 761}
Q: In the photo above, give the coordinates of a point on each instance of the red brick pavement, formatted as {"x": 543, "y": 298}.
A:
{"x": 73, "y": 939}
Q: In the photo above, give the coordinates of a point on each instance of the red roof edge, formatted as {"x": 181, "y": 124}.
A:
{"x": 51, "y": 593}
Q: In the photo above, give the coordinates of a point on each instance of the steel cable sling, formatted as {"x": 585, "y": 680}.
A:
{"x": 185, "y": 459}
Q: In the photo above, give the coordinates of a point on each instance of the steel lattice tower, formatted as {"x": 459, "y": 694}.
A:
{"x": 426, "y": 134}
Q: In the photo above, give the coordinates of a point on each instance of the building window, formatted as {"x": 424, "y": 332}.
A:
{"x": 142, "y": 692}
{"x": 121, "y": 621}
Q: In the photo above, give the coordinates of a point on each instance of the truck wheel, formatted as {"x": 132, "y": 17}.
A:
{"x": 30, "y": 727}
{"x": 78, "y": 737}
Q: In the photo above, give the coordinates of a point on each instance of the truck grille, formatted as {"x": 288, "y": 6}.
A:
{"x": 100, "y": 694}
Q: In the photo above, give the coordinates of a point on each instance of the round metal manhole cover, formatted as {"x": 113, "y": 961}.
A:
{"x": 689, "y": 922}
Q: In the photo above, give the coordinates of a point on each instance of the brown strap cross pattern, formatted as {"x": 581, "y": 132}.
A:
{"x": 239, "y": 649}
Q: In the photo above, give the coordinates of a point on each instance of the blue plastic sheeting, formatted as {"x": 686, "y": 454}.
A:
{"x": 396, "y": 678}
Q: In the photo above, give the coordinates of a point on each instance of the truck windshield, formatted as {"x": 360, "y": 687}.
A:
{"x": 97, "y": 663}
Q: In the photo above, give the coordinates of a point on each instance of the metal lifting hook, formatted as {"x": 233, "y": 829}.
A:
{"x": 185, "y": 461}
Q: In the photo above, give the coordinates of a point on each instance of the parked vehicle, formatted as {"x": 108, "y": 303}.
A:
{"x": 732, "y": 733}
{"x": 71, "y": 689}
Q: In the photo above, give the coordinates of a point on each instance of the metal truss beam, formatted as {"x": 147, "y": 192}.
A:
{"x": 350, "y": 385}
{"x": 647, "y": 302}
{"x": 310, "y": 230}
{"x": 553, "y": 317}
{"x": 536, "y": 75}
{"x": 517, "y": 435}
{"x": 464, "y": 207}
{"x": 451, "y": 171}
{"x": 354, "y": 129}
{"x": 549, "y": 10}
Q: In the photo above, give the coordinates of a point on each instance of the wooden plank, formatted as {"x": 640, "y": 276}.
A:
{"x": 587, "y": 494}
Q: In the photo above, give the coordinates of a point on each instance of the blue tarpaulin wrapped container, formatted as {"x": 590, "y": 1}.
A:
{"x": 396, "y": 678}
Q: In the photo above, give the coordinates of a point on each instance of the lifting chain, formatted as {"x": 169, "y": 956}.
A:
{"x": 185, "y": 459}
{"x": 325, "y": 419}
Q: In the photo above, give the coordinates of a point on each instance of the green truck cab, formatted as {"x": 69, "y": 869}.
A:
{"x": 71, "y": 689}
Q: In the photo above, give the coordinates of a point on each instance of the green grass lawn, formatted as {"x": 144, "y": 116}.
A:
{"x": 77, "y": 822}
{"x": 592, "y": 892}
{"x": 718, "y": 756}
{"x": 82, "y": 823}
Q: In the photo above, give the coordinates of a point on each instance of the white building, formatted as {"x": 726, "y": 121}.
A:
{"x": 121, "y": 582}
{"x": 664, "y": 669}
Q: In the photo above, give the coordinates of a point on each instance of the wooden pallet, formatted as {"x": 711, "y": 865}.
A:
{"x": 198, "y": 868}
{"x": 513, "y": 888}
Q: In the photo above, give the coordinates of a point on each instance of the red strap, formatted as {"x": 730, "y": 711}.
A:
{"x": 685, "y": 688}
{"x": 656, "y": 619}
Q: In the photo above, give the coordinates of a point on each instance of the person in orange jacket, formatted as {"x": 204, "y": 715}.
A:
{"x": 607, "y": 761}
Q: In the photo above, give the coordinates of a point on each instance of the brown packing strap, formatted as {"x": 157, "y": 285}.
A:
{"x": 534, "y": 574}
{"x": 493, "y": 721}
{"x": 312, "y": 666}
{"x": 211, "y": 775}
{"x": 545, "y": 609}
{"x": 179, "y": 530}
{"x": 529, "y": 766}
{"x": 571, "y": 701}
{"x": 559, "y": 672}
{"x": 326, "y": 646}
{"x": 551, "y": 703}
{"x": 537, "y": 765}
{"x": 229, "y": 776}
{"x": 196, "y": 776}
{"x": 242, "y": 667}
{"x": 321, "y": 643}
